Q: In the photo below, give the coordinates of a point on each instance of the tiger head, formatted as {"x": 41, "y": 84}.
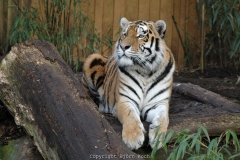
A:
{"x": 141, "y": 45}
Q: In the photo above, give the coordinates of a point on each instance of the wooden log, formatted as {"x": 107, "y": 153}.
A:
{"x": 44, "y": 96}
{"x": 198, "y": 93}
{"x": 215, "y": 113}
{"x": 220, "y": 86}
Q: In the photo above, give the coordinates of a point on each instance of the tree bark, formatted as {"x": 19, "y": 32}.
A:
{"x": 44, "y": 96}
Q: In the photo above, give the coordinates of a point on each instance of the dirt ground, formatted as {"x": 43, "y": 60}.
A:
{"x": 221, "y": 81}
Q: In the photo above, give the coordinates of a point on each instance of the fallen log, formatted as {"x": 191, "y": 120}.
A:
{"x": 198, "y": 93}
{"x": 215, "y": 113}
{"x": 220, "y": 87}
{"x": 44, "y": 96}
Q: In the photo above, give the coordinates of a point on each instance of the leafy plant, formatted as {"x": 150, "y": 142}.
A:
{"x": 62, "y": 23}
{"x": 199, "y": 146}
{"x": 164, "y": 140}
{"x": 223, "y": 33}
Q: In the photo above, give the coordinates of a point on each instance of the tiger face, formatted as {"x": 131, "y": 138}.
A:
{"x": 140, "y": 44}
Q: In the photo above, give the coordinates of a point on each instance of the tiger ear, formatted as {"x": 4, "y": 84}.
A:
{"x": 124, "y": 22}
{"x": 161, "y": 28}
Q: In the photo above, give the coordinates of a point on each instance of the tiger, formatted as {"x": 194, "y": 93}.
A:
{"x": 135, "y": 83}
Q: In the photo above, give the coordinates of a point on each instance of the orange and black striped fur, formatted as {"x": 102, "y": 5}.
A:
{"x": 135, "y": 83}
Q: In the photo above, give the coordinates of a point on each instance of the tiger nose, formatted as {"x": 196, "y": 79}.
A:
{"x": 124, "y": 47}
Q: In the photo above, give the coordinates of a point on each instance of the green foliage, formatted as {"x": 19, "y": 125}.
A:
{"x": 223, "y": 36}
{"x": 63, "y": 24}
{"x": 199, "y": 146}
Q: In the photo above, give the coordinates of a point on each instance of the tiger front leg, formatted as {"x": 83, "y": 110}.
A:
{"x": 159, "y": 120}
{"x": 133, "y": 129}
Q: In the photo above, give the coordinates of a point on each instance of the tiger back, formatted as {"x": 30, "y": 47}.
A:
{"x": 135, "y": 83}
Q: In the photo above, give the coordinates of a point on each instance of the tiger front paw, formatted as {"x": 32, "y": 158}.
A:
{"x": 133, "y": 135}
